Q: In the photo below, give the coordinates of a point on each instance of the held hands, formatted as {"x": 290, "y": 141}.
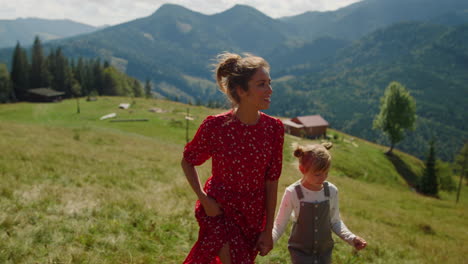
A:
{"x": 359, "y": 243}
{"x": 212, "y": 208}
{"x": 264, "y": 243}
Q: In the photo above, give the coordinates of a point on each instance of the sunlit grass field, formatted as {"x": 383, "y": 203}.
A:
{"x": 76, "y": 189}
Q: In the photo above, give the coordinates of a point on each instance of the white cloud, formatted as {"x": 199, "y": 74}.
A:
{"x": 98, "y": 12}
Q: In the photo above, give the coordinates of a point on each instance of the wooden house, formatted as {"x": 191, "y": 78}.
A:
{"x": 311, "y": 126}
{"x": 45, "y": 95}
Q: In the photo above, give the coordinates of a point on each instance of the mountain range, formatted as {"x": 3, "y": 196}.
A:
{"x": 25, "y": 30}
{"x": 335, "y": 63}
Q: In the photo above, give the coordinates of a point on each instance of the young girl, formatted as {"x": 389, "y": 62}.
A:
{"x": 235, "y": 210}
{"x": 313, "y": 203}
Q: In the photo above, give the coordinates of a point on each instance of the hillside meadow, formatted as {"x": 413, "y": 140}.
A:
{"x": 76, "y": 189}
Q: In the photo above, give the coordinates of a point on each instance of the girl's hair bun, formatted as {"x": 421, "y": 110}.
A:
{"x": 299, "y": 152}
{"x": 327, "y": 145}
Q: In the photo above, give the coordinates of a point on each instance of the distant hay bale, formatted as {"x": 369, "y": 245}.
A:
{"x": 124, "y": 106}
{"x": 111, "y": 115}
{"x": 157, "y": 110}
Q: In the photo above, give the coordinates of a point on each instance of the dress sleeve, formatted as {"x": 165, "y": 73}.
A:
{"x": 274, "y": 168}
{"x": 199, "y": 150}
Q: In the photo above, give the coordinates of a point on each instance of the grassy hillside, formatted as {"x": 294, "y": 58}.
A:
{"x": 75, "y": 189}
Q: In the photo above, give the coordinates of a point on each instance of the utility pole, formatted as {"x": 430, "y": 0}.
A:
{"x": 187, "y": 119}
{"x": 462, "y": 172}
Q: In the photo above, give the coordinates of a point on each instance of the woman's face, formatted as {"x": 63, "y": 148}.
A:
{"x": 259, "y": 90}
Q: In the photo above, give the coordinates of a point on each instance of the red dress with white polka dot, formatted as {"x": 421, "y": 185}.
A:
{"x": 244, "y": 157}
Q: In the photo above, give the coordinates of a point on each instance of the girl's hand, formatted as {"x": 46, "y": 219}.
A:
{"x": 212, "y": 208}
{"x": 264, "y": 243}
{"x": 359, "y": 243}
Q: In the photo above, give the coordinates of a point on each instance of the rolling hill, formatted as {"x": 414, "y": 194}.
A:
{"x": 79, "y": 189}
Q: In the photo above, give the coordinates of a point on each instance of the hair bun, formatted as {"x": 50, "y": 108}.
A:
{"x": 228, "y": 63}
{"x": 327, "y": 145}
{"x": 298, "y": 153}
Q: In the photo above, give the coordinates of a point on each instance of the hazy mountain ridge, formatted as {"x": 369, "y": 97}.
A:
{"x": 25, "y": 29}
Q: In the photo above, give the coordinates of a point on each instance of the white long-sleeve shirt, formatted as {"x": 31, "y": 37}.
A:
{"x": 290, "y": 207}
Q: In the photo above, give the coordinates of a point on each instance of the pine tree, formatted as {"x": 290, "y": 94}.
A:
{"x": 97, "y": 71}
{"x": 5, "y": 85}
{"x": 20, "y": 73}
{"x": 137, "y": 89}
{"x": 80, "y": 74}
{"x": 397, "y": 113}
{"x": 61, "y": 72}
{"x": 40, "y": 76}
{"x": 148, "y": 89}
{"x": 429, "y": 182}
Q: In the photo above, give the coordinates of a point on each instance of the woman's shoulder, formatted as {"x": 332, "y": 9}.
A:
{"x": 219, "y": 119}
{"x": 272, "y": 120}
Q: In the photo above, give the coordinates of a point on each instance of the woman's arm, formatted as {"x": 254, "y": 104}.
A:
{"x": 271, "y": 196}
{"x": 265, "y": 241}
{"x": 209, "y": 204}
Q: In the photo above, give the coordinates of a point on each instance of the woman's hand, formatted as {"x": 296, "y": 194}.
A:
{"x": 264, "y": 243}
{"x": 359, "y": 243}
{"x": 212, "y": 208}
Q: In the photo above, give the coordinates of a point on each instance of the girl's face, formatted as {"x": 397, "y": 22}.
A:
{"x": 314, "y": 177}
{"x": 258, "y": 94}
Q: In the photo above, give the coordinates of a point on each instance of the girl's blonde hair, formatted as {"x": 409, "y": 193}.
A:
{"x": 234, "y": 71}
{"x": 315, "y": 156}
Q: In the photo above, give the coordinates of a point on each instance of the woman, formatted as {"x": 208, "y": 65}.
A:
{"x": 235, "y": 209}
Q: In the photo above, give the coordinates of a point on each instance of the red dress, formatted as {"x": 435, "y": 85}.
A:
{"x": 243, "y": 158}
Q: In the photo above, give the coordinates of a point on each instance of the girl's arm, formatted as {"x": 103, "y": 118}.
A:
{"x": 265, "y": 241}
{"x": 337, "y": 224}
{"x": 282, "y": 218}
{"x": 209, "y": 204}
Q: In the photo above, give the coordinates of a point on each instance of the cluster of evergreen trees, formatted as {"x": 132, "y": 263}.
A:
{"x": 75, "y": 78}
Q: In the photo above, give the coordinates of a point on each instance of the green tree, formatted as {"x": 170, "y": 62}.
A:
{"x": 445, "y": 175}
{"x": 137, "y": 89}
{"x": 461, "y": 165}
{"x": 429, "y": 184}
{"x": 20, "y": 73}
{"x": 61, "y": 72}
{"x": 397, "y": 113}
{"x": 80, "y": 72}
{"x": 148, "y": 88}
{"x": 96, "y": 71}
{"x": 5, "y": 85}
{"x": 111, "y": 82}
{"x": 40, "y": 76}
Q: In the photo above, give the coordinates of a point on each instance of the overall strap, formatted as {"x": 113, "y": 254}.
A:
{"x": 299, "y": 193}
{"x": 326, "y": 190}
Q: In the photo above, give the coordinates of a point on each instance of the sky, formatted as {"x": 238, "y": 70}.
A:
{"x": 112, "y": 12}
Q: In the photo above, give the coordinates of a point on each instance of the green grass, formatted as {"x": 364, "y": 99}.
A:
{"x": 75, "y": 189}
